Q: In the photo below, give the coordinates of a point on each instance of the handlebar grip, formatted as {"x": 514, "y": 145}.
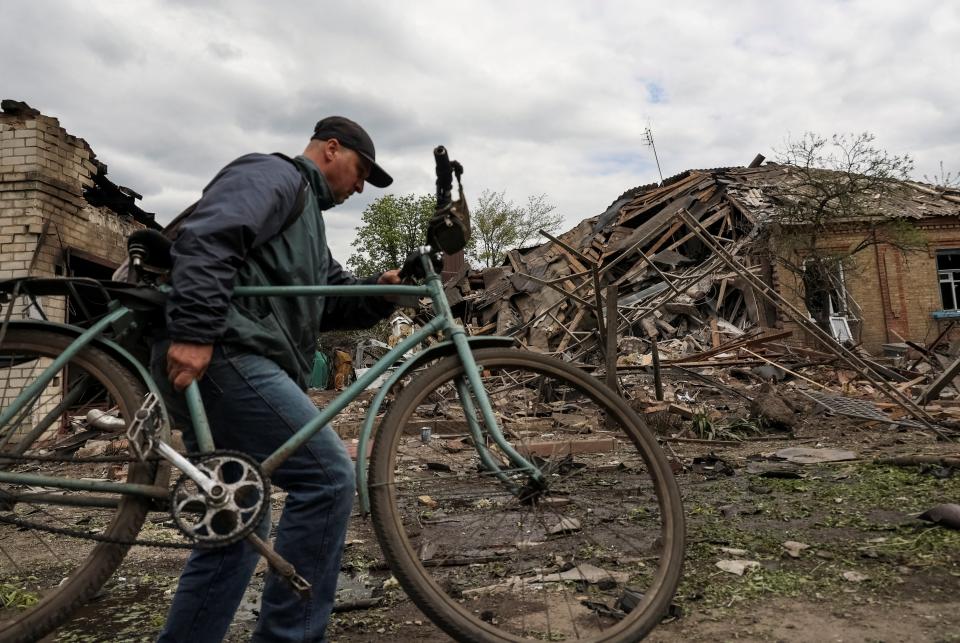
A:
{"x": 413, "y": 265}
{"x": 410, "y": 266}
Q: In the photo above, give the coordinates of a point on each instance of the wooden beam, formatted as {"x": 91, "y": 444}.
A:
{"x": 574, "y": 324}
{"x": 932, "y": 392}
{"x": 611, "y": 320}
{"x": 737, "y": 343}
{"x": 666, "y": 237}
{"x": 708, "y": 222}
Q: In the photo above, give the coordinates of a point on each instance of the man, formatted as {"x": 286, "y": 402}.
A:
{"x": 252, "y": 358}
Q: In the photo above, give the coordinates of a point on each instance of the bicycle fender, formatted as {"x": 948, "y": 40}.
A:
{"x": 113, "y": 349}
{"x": 433, "y": 353}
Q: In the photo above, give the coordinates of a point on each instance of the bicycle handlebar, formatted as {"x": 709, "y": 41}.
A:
{"x": 444, "y": 176}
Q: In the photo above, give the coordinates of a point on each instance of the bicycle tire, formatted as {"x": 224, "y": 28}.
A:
{"x": 94, "y": 566}
{"x": 460, "y": 602}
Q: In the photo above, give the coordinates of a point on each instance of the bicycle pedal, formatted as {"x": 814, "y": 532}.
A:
{"x": 280, "y": 565}
{"x": 141, "y": 432}
{"x": 300, "y": 585}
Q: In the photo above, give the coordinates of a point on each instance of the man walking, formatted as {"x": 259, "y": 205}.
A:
{"x": 252, "y": 358}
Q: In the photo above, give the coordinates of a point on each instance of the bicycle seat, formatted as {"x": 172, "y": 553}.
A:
{"x": 151, "y": 248}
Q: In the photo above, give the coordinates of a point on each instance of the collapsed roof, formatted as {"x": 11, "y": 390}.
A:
{"x": 668, "y": 281}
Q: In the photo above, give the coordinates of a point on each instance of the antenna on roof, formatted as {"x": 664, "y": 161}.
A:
{"x": 648, "y": 139}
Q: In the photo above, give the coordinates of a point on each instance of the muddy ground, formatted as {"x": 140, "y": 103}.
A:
{"x": 870, "y": 572}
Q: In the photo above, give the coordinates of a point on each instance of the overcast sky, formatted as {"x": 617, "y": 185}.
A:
{"x": 532, "y": 97}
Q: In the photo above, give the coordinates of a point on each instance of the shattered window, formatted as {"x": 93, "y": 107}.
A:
{"x": 948, "y": 272}
{"x": 833, "y": 291}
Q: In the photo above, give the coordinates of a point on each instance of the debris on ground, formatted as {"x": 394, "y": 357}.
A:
{"x": 794, "y": 548}
{"x": 855, "y": 577}
{"x": 814, "y": 455}
{"x": 946, "y": 514}
{"x": 738, "y": 567}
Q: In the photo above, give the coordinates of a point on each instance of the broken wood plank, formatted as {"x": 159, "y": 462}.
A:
{"x": 611, "y": 321}
{"x": 942, "y": 380}
{"x": 672, "y": 230}
{"x": 903, "y": 386}
{"x": 794, "y": 373}
{"x": 707, "y": 222}
{"x": 567, "y": 447}
{"x": 754, "y": 340}
{"x": 682, "y": 411}
{"x": 574, "y": 324}
{"x": 657, "y": 375}
{"x": 932, "y": 345}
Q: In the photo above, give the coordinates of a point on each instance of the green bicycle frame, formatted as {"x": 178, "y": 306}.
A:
{"x": 473, "y": 395}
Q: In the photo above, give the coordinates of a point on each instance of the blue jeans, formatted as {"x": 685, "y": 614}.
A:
{"x": 254, "y": 407}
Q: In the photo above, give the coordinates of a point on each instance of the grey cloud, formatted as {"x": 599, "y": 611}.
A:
{"x": 530, "y": 100}
{"x": 114, "y": 49}
{"x": 224, "y": 50}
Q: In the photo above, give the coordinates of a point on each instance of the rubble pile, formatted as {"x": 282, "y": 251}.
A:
{"x": 668, "y": 282}
{"x": 694, "y": 289}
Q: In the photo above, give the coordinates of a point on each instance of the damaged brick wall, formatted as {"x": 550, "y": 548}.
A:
{"x": 896, "y": 292}
{"x": 45, "y": 218}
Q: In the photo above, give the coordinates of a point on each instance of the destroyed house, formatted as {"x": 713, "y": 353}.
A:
{"x": 667, "y": 250}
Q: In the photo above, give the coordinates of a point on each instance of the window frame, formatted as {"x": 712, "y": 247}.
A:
{"x": 949, "y": 276}
{"x": 840, "y": 303}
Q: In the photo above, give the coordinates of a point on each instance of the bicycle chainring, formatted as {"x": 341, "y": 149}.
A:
{"x": 235, "y": 514}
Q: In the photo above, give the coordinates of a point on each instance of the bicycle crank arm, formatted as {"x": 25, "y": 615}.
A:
{"x": 280, "y": 565}
{"x": 211, "y": 488}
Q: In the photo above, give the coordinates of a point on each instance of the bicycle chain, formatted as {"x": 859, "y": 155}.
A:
{"x": 62, "y": 531}
{"x": 93, "y": 460}
{"x": 71, "y": 533}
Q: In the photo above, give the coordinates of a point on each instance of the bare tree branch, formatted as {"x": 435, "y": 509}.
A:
{"x": 841, "y": 180}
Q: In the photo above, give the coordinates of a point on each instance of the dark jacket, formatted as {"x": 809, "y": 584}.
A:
{"x": 234, "y": 238}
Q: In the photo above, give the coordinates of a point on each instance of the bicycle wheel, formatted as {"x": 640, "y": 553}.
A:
{"x": 92, "y": 392}
{"x": 594, "y": 553}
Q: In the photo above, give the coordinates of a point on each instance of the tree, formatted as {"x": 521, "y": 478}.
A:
{"x": 944, "y": 179}
{"x": 498, "y": 225}
{"x": 843, "y": 179}
{"x": 391, "y": 226}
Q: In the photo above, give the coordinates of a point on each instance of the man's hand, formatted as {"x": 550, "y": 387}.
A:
{"x": 390, "y": 277}
{"x": 187, "y": 362}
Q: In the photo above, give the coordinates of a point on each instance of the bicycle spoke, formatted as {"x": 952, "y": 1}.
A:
{"x": 554, "y": 558}
{"x": 13, "y": 561}
{"x": 53, "y": 529}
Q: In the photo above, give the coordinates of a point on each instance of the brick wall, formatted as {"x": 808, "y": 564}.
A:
{"x": 43, "y": 214}
{"x": 44, "y": 219}
{"x": 897, "y": 291}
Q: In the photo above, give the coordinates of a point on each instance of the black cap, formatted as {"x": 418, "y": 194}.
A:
{"x": 354, "y": 137}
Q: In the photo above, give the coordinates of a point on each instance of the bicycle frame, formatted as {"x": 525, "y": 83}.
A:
{"x": 471, "y": 392}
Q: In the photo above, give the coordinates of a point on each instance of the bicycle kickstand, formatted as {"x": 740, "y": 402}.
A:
{"x": 280, "y": 565}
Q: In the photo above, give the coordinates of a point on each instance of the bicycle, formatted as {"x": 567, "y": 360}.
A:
{"x": 552, "y": 515}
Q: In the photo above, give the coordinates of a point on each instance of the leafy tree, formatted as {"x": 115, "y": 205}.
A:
{"x": 843, "y": 179}
{"x": 391, "y": 226}
{"x": 499, "y": 225}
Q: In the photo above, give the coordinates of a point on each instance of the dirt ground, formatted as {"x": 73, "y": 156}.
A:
{"x": 870, "y": 572}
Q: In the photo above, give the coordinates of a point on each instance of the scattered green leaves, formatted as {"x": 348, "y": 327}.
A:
{"x": 15, "y": 595}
